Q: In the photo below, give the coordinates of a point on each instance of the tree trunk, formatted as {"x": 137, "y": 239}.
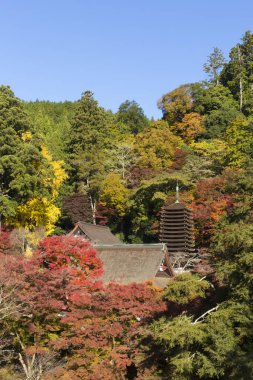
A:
{"x": 240, "y": 78}
{"x": 241, "y": 94}
{"x": 94, "y": 209}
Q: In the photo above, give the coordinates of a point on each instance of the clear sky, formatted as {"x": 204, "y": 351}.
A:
{"x": 119, "y": 49}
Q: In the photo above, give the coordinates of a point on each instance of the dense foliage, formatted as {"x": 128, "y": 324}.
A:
{"x": 62, "y": 162}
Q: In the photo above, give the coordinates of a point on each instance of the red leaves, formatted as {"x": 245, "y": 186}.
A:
{"x": 100, "y": 329}
{"x": 67, "y": 312}
{"x": 211, "y": 203}
{"x": 71, "y": 253}
{"x": 8, "y": 243}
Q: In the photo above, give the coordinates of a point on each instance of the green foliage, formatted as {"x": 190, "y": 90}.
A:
{"x": 219, "y": 108}
{"x": 132, "y": 115}
{"x": 197, "y": 168}
{"x": 51, "y": 121}
{"x": 214, "y": 65}
{"x": 185, "y": 288}
{"x": 238, "y": 74}
{"x": 86, "y": 145}
{"x": 211, "y": 348}
{"x": 233, "y": 238}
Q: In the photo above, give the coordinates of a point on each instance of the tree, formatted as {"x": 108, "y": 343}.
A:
{"x": 155, "y": 147}
{"x": 122, "y": 155}
{"x": 114, "y": 194}
{"x": 23, "y": 167}
{"x": 76, "y": 327}
{"x": 190, "y": 127}
{"x": 77, "y": 207}
{"x": 176, "y": 104}
{"x": 197, "y": 168}
{"x": 239, "y": 139}
{"x": 132, "y": 115}
{"x": 210, "y": 204}
{"x": 51, "y": 121}
{"x": 214, "y": 150}
{"x": 219, "y": 108}
{"x": 88, "y": 140}
{"x": 185, "y": 288}
{"x": 214, "y": 65}
{"x": 66, "y": 269}
{"x": 39, "y": 210}
{"x": 107, "y": 321}
{"x": 237, "y": 74}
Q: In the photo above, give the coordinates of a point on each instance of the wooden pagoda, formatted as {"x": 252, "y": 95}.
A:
{"x": 177, "y": 229}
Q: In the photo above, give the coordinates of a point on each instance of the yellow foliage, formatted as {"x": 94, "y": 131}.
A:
{"x": 239, "y": 138}
{"x": 176, "y": 104}
{"x": 114, "y": 193}
{"x": 37, "y": 213}
{"x": 28, "y": 251}
{"x": 213, "y": 149}
{"x": 155, "y": 147}
{"x": 190, "y": 127}
{"x": 27, "y": 136}
{"x": 59, "y": 173}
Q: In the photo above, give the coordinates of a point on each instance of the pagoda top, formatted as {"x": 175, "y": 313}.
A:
{"x": 175, "y": 206}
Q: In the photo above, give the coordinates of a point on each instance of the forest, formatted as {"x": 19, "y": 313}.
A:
{"x": 62, "y": 162}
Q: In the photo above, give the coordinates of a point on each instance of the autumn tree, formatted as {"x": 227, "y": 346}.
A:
{"x": 107, "y": 321}
{"x": 209, "y": 206}
{"x": 175, "y": 104}
{"x": 155, "y": 147}
{"x": 239, "y": 139}
{"x": 214, "y": 150}
{"x": 65, "y": 268}
{"x": 114, "y": 193}
{"x": 76, "y": 207}
{"x": 190, "y": 127}
{"x": 106, "y": 317}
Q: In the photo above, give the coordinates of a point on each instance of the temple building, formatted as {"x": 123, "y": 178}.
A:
{"x": 126, "y": 263}
{"x": 177, "y": 232}
{"x": 94, "y": 233}
{"x": 176, "y": 229}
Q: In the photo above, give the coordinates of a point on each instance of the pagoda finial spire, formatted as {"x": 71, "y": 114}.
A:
{"x": 177, "y": 193}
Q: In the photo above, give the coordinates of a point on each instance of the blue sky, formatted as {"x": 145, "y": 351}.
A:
{"x": 135, "y": 49}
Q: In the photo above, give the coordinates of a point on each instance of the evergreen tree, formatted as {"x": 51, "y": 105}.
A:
{"x": 26, "y": 174}
{"x": 214, "y": 64}
{"x": 132, "y": 115}
{"x": 89, "y": 137}
{"x": 237, "y": 74}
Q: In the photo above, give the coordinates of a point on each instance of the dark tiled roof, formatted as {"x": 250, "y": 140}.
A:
{"x": 126, "y": 263}
{"x": 95, "y": 233}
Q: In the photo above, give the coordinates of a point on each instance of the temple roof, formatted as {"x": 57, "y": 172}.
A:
{"x": 96, "y": 234}
{"x": 175, "y": 206}
{"x": 126, "y": 263}
{"x": 176, "y": 228}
